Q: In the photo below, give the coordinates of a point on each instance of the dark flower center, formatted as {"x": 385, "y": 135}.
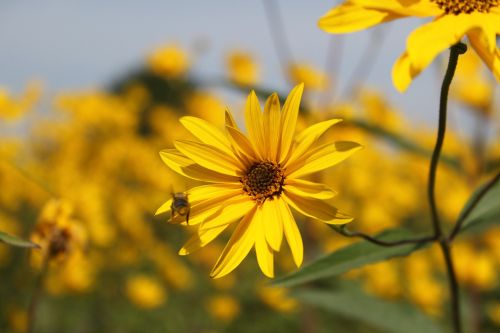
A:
{"x": 456, "y": 7}
{"x": 263, "y": 180}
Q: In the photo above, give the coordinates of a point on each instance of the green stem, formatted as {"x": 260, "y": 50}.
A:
{"x": 455, "y": 52}
{"x": 453, "y": 285}
{"x": 37, "y": 293}
{"x": 347, "y": 233}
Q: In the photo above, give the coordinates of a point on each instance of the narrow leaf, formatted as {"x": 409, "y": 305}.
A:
{"x": 483, "y": 207}
{"x": 14, "y": 241}
{"x": 350, "y": 257}
{"x": 353, "y": 304}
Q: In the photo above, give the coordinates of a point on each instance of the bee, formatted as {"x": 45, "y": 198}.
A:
{"x": 180, "y": 206}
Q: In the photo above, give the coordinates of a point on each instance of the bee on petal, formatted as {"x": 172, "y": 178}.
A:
{"x": 180, "y": 207}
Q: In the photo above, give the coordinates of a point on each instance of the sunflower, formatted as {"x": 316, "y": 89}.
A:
{"x": 255, "y": 180}
{"x": 479, "y": 20}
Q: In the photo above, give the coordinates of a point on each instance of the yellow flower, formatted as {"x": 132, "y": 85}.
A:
{"x": 223, "y": 308}
{"x": 255, "y": 180}
{"x": 453, "y": 19}
{"x": 168, "y": 61}
{"x": 312, "y": 78}
{"x": 470, "y": 86}
{"x": 58, "y": 234}
{"x": 277, "y": 298}
{"x": 145, "y": 292}
{"x": 242, "y": 69}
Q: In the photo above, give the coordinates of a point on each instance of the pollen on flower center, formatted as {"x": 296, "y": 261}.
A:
{"x": 263, "y": 180}
{"x": 456, "y": 7}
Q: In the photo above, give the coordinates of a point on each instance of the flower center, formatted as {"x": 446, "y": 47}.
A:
{"x": 466, "y": 6}
{"x": 263, "y": 180}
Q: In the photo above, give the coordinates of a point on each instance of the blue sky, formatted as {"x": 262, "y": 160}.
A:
{"x": 73, "y": 44}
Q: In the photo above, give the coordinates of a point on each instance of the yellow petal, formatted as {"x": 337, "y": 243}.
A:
{"x": 316, "y": 209}
{"x": 321, "y": 158}
{"x": 272, "y": 223}
{"x": 306, "y": 188}
{"x": 229, "y": 119}
{"x": 480, "y": 44}
{"x": 183, "y": 165}
{"x": 429, "y": 40}
{"x": 403, "y": 73}
{"x": 272, "y": 126}
{"x": 206, "y": 208}
{"x": 206, "y": 192}
{"x": 289, "y": 120}
{"x": 207, "y": 133}
{"x": 420, "y": 8}
{"x": 310, "y": 136}
{"x": 350, "y": 18}
{"x": 240, "y": 243}
{"x": 263, "y": 251}
{"x": 229, "y": 211}
{"x": 210, "y": 157}
{"x": 164, "y": 208}
{"x": 253, "y": 119}
{"x": 241, "y": 143}
{"x": 200, "y": 239}
{"x": 292, "y": 233}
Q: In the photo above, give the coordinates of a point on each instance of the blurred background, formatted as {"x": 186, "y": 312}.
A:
{"x": 91, "y": 91}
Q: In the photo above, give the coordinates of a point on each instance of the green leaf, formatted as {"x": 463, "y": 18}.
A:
{"x": 350, "y": 257}
{"x": 387, "y": 316}
{"x": 486, "y": 211}
{"x": 14, "y": 241}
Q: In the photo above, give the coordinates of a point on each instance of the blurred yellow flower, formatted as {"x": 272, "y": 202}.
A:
{"x": 169, "y": 61}
{"x": 311, "y": 77}
{"x": 474, "y": 267}
{"x": 470, "y": 87}
{"x": 383, "y": 279}
{"x": 145, "y": 291}
{"x": 13, "y": 107}
{"x": 206, "y": 106}
{"x": 277, "y": 298}
{"x": 242, "y": 69}
{"x": 18, "y": 320}
{"x": 223, "y": 307}
{"x": 493, "y": 312}
{"x": 255, "y": 180}
{"x": 57, "y": 232}
{"x": 453, "y": 20}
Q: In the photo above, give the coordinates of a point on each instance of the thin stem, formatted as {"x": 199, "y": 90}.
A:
{"x": 455, "y": 52}
{"x": 453, "y": 286}
{"x": 37, "y": 293}
{"x": 421, "y": 240}
{"x": 488, "y": 186}
{"x": 277, "y": 29}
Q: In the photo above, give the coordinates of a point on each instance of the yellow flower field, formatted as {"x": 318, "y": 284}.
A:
{"x": 179, "y": 200}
